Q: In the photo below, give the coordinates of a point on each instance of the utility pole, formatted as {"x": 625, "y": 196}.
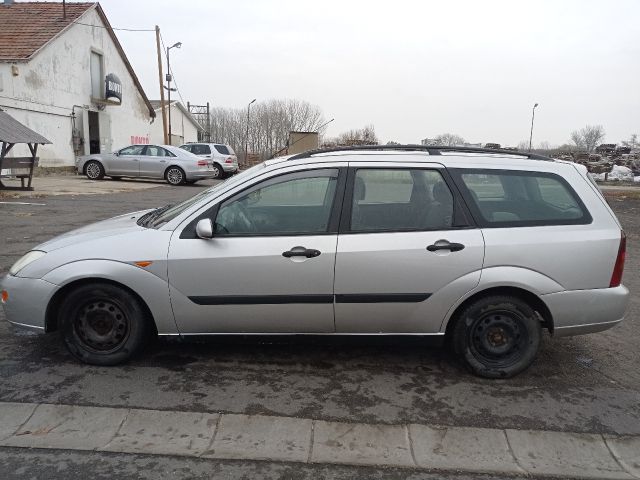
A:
{"x": 164, "y": 115}
{"x": 169, "y": 89}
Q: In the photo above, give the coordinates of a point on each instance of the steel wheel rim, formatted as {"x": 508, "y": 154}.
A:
{"x": 101, "y": 325}
{"x": 498, "y": 338}
{"x": 93, "y": 170}
{"x": 174, "y": 176}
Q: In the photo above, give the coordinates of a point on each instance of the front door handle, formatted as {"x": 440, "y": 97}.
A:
{"x": 445, "y": 245}
{"x": 301, "y": 252}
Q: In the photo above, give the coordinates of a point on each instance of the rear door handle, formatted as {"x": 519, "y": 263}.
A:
{"x": 444, "y": 245}
{"x": 301, "y": 252}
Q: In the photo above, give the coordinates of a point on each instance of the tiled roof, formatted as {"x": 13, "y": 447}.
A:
{"x": 27, "y": 26}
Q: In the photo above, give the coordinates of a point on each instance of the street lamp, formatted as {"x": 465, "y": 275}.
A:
{"x": 168, "y": 87}
{"x": 533, "y": 115}
{"x": 246, "y": 136}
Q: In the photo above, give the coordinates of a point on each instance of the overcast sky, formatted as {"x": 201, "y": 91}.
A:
{"x": 413, "y": 69}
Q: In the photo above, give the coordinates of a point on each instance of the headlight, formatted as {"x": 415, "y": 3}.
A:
{"x": 28, "y": 258}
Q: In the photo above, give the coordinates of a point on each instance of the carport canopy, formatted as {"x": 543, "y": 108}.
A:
{"x": 11, "y": 133}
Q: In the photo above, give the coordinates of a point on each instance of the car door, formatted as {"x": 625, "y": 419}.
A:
{"x": 154, "y": 162}
{"x": 406, "y": 251}
{"x": 127, "y": 161}
{"x": 269, "y": 267}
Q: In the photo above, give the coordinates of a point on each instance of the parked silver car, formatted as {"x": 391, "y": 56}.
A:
{"x": 222, "y": 157}
{"x": 485, "y": 248}
{"x": 173, "y": 164}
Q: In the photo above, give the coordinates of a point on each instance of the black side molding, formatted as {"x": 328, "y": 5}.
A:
{"x": 309, "y": 299}
{"x": 260, "y": 299}
{"x": 382, "y": 297}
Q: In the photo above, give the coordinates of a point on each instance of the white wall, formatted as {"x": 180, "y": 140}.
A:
{"x": 44, "y": 92}
{"x": 182, "y": 129}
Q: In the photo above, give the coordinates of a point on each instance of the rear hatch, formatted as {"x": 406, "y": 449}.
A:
{"x": 227, "y": 153}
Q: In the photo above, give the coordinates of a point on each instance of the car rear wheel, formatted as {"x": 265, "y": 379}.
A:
{"x": 497, "y": 336}
{"x": 217, "y": 171}
{"x": 94, "y": 170}
{"x": 103, "y": 324}
{"x": 175, "y": 176}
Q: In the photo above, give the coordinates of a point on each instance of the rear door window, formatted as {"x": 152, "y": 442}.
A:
{"x": 521, "y": 198}
{"x": 400, "y": 199}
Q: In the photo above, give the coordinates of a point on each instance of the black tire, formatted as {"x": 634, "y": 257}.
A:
{"x": 497, "y": 336}
{"x": 94, "y": 170}
{"x": 218, "y": 172}
{"x": 175, "y": 176}
{"x": 103, "y": 324}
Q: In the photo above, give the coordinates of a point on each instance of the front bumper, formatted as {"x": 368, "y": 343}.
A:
{"x": 577, "y": 312}
{"x": 26, "y": 306}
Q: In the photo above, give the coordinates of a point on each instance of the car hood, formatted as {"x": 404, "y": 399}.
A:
{"x": 107, "y": 228}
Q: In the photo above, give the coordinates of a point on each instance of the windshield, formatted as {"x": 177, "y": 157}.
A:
{"x": 160, "y": 216}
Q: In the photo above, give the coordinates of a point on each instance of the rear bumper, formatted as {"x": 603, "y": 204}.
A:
{"x": 199, "y": 175}
{"x": 230, "y": 167}
{"x": 577, "y": 312}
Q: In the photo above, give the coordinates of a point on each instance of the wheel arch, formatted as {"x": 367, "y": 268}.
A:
{"x": 89, "y": 160}
{"x": 53, "y": 307}
{"x": 525, "y": 295}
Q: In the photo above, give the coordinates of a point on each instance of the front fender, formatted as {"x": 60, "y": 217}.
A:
{"x": 508, "y": 276}
{"x": 153, "y": 290}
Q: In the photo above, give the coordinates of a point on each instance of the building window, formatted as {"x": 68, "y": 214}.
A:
{"x": 97, "y": 76}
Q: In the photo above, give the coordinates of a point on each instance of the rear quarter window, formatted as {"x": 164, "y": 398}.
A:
{"x": 222, "y": 149}
{"x": 503, "y": 198}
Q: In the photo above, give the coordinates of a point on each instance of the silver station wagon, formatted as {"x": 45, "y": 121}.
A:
{"x": 484, "y": 248}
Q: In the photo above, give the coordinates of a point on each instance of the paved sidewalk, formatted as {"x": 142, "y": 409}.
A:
{"x": 287, "y": 439}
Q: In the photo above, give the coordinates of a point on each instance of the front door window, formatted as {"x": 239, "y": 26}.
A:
{"x": 293, "y": 204}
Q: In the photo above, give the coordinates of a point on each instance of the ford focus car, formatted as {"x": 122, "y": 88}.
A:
{"x": 485, "y": 248}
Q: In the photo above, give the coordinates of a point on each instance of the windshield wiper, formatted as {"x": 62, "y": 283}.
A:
{"x": 146, "y": 220}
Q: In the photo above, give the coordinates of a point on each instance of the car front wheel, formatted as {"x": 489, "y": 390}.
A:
{"x": 497, "y": 336}
{"x": 103, "y": 324}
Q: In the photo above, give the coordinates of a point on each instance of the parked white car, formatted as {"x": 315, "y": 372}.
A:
{"x": 177, "y": 166}
{"x": 222, "y": 157}
{"x": 486, "y": 248}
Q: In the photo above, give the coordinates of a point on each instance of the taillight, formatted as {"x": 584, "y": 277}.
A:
{"x": 616, "y": 276}
{"x": 202, "y": 163}
{"x": 229, "y": 160}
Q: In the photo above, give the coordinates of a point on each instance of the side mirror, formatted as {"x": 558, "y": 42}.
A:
{"x": 204, "y": 228}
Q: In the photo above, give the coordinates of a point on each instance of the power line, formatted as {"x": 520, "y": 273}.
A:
{"x": 114, "y": 28}
{"x": 173, "y": 77}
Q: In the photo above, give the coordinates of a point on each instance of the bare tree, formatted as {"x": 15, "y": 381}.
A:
{"x": 449, "y": 140}
{"x": 269, "y": 125}
{"x": 588, "y": 137}
{"x": 356, "y": 137}
{"x": 632, "y": 142}
{"x": 523, "y": 145}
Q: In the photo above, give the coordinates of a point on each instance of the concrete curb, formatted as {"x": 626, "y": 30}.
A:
{"x": 257, "y": 437}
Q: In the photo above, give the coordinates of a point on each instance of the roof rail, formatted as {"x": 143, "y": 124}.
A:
{"x": 432, "y": 150}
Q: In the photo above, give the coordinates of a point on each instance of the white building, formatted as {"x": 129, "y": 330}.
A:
{"x": 68, "y": 78}
{"x": 184, "y": 128}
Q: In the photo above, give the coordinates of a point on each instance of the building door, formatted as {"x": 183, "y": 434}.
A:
{"x": 94, "y": 132}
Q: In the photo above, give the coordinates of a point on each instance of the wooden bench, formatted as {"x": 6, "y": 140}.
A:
{"x": 19, "y": 163}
